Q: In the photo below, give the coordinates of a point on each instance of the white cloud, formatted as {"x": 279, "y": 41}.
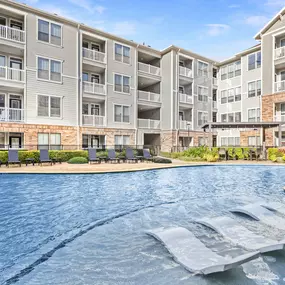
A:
{"x": 124, "y": 28}
{"x": 217, "y": 29}
{"x": 256, "y": 21}
{"x": 233, "y": 6}
{"x": 275, "y": 3}
{"x": 87, "y": 5}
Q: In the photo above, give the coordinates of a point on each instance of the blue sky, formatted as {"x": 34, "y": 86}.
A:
{"x": 214, "y": 28}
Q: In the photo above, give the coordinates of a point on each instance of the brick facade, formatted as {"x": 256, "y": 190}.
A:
{"x": 245, "y": 134}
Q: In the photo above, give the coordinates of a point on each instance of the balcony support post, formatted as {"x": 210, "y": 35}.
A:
{"x": 279, "y": 135}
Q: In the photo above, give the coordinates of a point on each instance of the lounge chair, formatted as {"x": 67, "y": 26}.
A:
{"x": 130, "y": 155}
{"x": 13, "y": 157}
{"x": 146, "y": 155}
{"x": 44, "y": 157}
{"x": 223, "y": 154}
{"x": 92, "y": 156}
{"x": 112, "y": 156}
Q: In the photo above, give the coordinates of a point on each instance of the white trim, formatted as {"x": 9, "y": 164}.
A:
{"x": 114, "y": 113}
{"x": 254, "y": 108}
{"x": 247, "y": 91}
{"x": 200, "y": 111}
{"x": 114, "y": 52}
{"x": 255, "y": 60}
{"x": 48, "y": 95}
{"x": 114, "y": 83}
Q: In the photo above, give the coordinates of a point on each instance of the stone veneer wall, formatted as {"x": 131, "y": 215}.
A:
{"x": 245, "y": 134}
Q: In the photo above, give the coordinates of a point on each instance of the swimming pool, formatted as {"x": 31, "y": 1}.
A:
{"x": 90, "y": 229}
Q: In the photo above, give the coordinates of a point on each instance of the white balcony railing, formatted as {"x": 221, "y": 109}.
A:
{"x": 12, "y": 74}
{"x": 148, "y": 96}
{"x": 148, "y": 124}
{"x": 215, "y": 104}
{"x": 12, "y": 34}
{"x": 11, "y": 115}
{"x": 94, "y": 55}
{"x": 148, "y": 68}
{"x": 280, "y": 86}
{"x": 185, "y": 98}
{"x": 215, "y": 81}
{"x": 185, "y": 71}
{"x": 93, "y": 120}
{"x": 185, "y": 125}
{"x": 279, "y": 52}
{"x": 94, "y": 88}
{"x": 279, "y": 118}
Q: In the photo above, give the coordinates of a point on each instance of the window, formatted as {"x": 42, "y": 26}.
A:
{"x": 122, "y": 53}
{"x": 202, "y": 141}
{"x": 202, "y": 94}
{"x": 122, "y": 83}
{"x": 202, "y": 118}
{"x": 231, "y": 70}
{"x": 122, "y": 140}
{"x": 224, "y": 118}
{"x": 254, "y": 88}
{"x": 224, "y": 141}
{"x": 253, "y": 141}
{"x": 224, "y": 96}
{"x": 49, "y": 69}
{"x": 224, "y": 74}
{"x": 49, "y": 141}
{"x": 231, "y": 95}
{"x": 202, "y": 69}
{"x": 231, "y": 117}
{"x": 238, "y": 68}
{"x": 49, "y": 32}
{"x": 230, "y": 141}
{"x": 49, "y": 106}
{"x": 254, "y": 60}
{"x": 122, "y": 113}
{"x": 237, "y": 93}
{"x": 254, "y": 115}
{"x": 238, "y": 117}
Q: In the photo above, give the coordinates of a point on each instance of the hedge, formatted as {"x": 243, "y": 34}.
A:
{"x": 161, "y": 160}
{"x": 78, "y": 160}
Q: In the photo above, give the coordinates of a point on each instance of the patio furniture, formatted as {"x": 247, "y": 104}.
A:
{"x": 13, "y": 157}
{"x": 55, "y": 160}
{"x": 112, "y": 156}
{"x": 223, "y": 154}
{"x": 30, "y": 161}
{"x": 44, "y": 157}
{"x": 92, "y": 156}
{"x": 147, "y": 156}
{"x": 130, "y": 156}
{"x": 255, "y": 153}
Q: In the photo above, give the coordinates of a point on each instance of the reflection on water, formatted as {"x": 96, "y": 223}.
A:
{"x": 90, "y": 229}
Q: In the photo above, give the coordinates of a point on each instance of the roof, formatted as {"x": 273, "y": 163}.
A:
{"x": 270, "y": 24}
{"x": 242, "y": 125}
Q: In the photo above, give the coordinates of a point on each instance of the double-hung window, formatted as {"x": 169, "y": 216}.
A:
{"x": 49, "y": 69}
{"x": 254, "y": 141}
{"x": 237, "y": 117}
{"x": 122, "y": 140}
{"x": 254, "y": 88}
{"x": 231, "y": 95}
{"x": 237, "y": 93}
{"x": 231, "y": 68}
{"x": 49, "y": 141}
{"x": 202, "y": 69}
{"x": 254, "y": 60}
{"x": 49, "y": 106}
{"x": 254, "y": 115}
{"x": 122, "y": 113}
{"x": 122, "y": 83}
{"x": 202, "y": 94}
{"x": 224, "y": 118}
{"x": 202, "y": 118}
{"x": 122, "y": 53}
{"x": 49, "y": 32}
{"x": 224, "y": 96}
{"x": 238, "y": 68}
{"x": 224, "y": 73}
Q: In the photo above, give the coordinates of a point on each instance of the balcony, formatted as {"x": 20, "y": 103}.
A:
{"x": 148, "y": 124}
{"x": 279, "y": 118}
{"x": 7, "y": 73}
{"x": 279, "y": 52}
{"x": 185, "y": 125}
{"x": 94, "y": 88}
{"x": 185, "y": 98}
{"x": 215, "y": 104}
{"x": 11, "y": 34}
{"x": 94, "y": 55}
{"x": 148, "y": 96}
{"x": 215, "y": 81}
{"x": 280, "y": 86}
{"x": 184, "y": 71}
{"x": 11, "y": 115}
{"x": 93, "y": 120}
{"x": 148, "y": 68}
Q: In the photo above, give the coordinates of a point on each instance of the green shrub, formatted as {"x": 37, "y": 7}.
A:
{"x": 274, "y": 152}
{"x": 191, "y": 158}
{"x": 279, "y": 160}
{"x": 239, "y": 153}
{"x": 283, "y": 157}
{"x": 196, "y": 151}
{"x": 3, "y": 156}
{"x": 176, "y": 154}
{"x": 165, "y": 154}
{"x": 78, "y": 160}
{"x": 161, "y": 160}
{"x": 211, "y": 157}
{"x": 273, "y": 157}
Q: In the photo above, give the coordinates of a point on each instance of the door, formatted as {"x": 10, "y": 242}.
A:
{"x": 2, "y": 107}
{"x": 2, "y": 66}
{"x": 181, "y": 89}
{"x": 181, "y": 116}
{"x": 16, "y": 25}
{"x": 95, "y": 109}
{"x": 95, "y": 78}
{"x": 14, "y": 142}
{"x": 15, "y": 112}
{"x": 85, "y": 45}
{"x": 94, "y": 141}
{"x": 95, "y": 47}
{"x": 282, "y": 43}
{"x": 15, "y": 72}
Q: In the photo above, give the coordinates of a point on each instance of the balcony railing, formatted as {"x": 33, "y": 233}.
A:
{"x": 94, "y": 55}
{"x": 215, "y": 81}
{"x": 148, "y": 68}
{"x": 280, "y": 86}
{"x": 185, "y": 125}
{"x": 148, "y": 96}
{"x": 12, "y": 34}
{"x": 94, "y": 88}
{"x": 215, "y": 104}
{"x": 11, "y": 115}
{"x": 148, "y": 124}
{"x": 184, "y": 71}
{"x": 185, "y": 98}
{"x": 279, "y": 52}
{"x": 94, "y": 120}
{"x": 12, "y": 74}
{"x": 279, "y": 118}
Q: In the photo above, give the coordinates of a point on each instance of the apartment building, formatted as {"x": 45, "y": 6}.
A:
{"x": 66, "y": 85}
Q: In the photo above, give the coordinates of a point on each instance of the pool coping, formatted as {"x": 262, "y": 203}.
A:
{"x": 171, "y": 166}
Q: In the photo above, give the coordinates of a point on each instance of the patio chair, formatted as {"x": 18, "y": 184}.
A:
{"x": 255, "y": 153}
{"x": 130, "y": 155}
{"x": 147, "y": 156}
{"x": 112, "y": 156}
{"x": 223, "y": 154}
{"x": 13, "y": 157}
{"x": 92, "y": 156}
{"x": 44, "y": 157}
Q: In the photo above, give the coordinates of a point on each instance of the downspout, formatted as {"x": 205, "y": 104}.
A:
{"x": 78, "y": 101}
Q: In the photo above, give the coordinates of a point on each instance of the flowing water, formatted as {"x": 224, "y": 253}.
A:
{"x": 90, "y": 229}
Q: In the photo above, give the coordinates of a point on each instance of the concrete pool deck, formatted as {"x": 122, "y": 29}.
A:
{"x": 66, "y": 168}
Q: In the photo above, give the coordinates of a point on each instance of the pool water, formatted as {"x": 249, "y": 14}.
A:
{"x": 90, "y": 229}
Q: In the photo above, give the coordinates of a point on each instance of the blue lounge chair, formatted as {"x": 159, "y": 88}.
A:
{"x": 112, "y": 156}
{"x": 13, "y": 157}
{"x": 130, "y": 155}
{"x": 44, "y": 157}
{"x": 146, "y": 155}
{"x": 92, "y": 156}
